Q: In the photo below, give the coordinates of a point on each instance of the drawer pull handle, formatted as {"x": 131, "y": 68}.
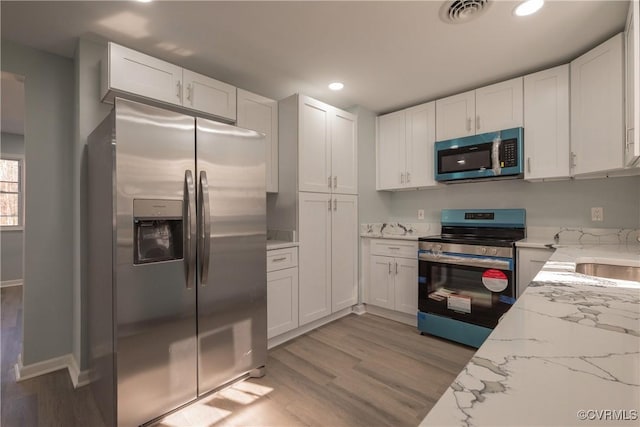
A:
{"x": 393, "y": 247}
{"x": 280, "y": 259}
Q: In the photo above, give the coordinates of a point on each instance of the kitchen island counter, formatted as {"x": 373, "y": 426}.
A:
{"x": 570, "y": 343}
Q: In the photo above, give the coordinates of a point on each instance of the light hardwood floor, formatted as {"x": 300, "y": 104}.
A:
{"x": 356, "y": 371}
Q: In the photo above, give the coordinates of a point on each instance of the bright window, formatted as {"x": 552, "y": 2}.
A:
{"x": 11, "y": 193}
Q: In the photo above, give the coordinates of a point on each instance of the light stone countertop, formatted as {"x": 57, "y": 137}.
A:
{"x": 280, "y": 244}
{"x": 393, "y": 236}
{"x": 570, "y": 343}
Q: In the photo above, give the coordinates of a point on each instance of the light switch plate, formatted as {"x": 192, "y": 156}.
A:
{"x": 420, "y": 213}
{"x": 597, "y": 214}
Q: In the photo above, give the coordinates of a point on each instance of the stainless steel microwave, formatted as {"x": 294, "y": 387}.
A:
{"x": 487, "y": 156}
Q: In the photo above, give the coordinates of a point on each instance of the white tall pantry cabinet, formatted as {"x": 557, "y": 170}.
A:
{"x": 318, "y": 151}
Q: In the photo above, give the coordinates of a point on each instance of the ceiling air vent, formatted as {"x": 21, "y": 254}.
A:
{"x": 461, "y": 11}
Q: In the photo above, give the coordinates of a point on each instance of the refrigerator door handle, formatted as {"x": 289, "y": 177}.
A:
{"x": 189, "y": 256}
{"x": 205, "y": 228}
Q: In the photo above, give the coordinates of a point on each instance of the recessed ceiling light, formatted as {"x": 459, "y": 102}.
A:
{"x": 528, "y": 7}
{"x": 144, "y": 1}
{"x": 336, "y": 86}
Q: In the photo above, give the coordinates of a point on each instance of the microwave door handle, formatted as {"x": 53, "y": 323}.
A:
{"x": 189, "y": 235}
{"x": 468, "y": 262}
{"x": 205, "y": 228}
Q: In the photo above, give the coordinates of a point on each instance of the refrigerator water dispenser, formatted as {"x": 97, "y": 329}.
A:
{"x": 158, "y": 230}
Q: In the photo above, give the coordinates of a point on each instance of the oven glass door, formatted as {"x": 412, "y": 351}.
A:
{"x": 477, "y": 290}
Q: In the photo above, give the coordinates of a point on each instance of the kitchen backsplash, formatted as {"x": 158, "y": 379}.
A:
{"x": 377, "y": 229}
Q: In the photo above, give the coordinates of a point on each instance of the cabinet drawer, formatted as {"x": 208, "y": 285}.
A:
{"x": 280, "y": 259}
{"x": 395, "y": 248}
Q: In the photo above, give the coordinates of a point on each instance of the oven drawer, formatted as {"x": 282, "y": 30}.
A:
{"x": 395, "y": 248}
{"x": 279, "y": 259}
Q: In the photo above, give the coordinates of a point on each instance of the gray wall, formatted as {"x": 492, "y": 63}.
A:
{"x": 89, "y": 113}
{"x": 48, "y": 300}
{"x": 11, "y": 240}
{"x": 561, "y": 203}
{"x": 373, "y": 206}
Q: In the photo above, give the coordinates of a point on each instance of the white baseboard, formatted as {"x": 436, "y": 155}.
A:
{"x": 398, "y": 316}
{"x": 282, "y": 338}
{"x": 10, "y": 283}
{"x": 68, "y": 362}
{"x": 359, "y": 309}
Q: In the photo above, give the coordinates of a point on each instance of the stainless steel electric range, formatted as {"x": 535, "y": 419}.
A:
{"x": 467, "y": 274}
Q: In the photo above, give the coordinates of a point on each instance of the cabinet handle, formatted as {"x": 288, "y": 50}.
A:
{"x": 279, "y": 259}
{"x": 573, "y": 160}
{"x": 393, "y": 247}
{"x": 628, "y": 141}
{"x": 190, "y": 93}
{"x": 335, "y": 181}
{"x": 408, "y": 177}
{"x": 401, "y": 178}
{"x": 396, "y": 268}
{"x": 329, "y": 181}
{"x": 529, "y": 164}
{"x": 335, "y": 204}
{"x": 469, "y": 124}
{"x": 389, "y": 267}
{"x": 329, "y": 204}
{"x": 179, "y": 89}
{"x": 478, "y": 122}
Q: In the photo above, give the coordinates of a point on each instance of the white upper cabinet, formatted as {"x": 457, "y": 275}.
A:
{"x": 125, "y": 70}
{"x": 632, "y": 76}
{"x": 597, "y": 119}
{"x": 405, "y": 148}
{"x": 499, "y": 106}
{"x": 344, "y": 153}
{"x": 327, "y": 148}
{"x": 488, "y": 109}
{"x": 390, "y": 150}
{"x": 546, "y": 123}
{"x": 209, "y": 95}
{"x": 258, "y": 113}
{"x": 455, "y": 116}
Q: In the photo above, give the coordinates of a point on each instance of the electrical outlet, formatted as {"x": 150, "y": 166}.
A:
{"x": 420, "y": 213}
{"x": 597, "y": 214}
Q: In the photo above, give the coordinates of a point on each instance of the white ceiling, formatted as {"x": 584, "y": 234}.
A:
{"x": 389, "y": 54}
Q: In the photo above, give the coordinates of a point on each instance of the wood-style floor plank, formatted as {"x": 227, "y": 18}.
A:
{"x": 357, "y": 371}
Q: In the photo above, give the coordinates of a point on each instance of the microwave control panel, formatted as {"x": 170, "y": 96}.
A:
{"x": 509, "y": 153}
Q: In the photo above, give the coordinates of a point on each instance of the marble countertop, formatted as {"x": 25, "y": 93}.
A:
{"x": 570, "y": 343}
{"x": 280, "y": 244}
{"x": 535, "y": 242}
{"x": 393, "y": 236}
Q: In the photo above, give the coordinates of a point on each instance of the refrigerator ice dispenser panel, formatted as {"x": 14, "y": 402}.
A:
{"x": 158, "y": 230}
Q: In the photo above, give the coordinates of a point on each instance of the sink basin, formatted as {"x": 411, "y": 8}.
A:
{"x": 620, "y": 272}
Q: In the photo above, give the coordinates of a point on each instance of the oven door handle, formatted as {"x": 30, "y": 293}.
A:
{"x": 502, "y": 264}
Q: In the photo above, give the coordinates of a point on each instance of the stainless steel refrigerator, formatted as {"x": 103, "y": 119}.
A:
{"x": 177, "y": 274}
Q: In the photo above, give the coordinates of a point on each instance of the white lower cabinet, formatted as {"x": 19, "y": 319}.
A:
{"x": 282, "y": 291}
{"x": 328, "y": 227}
{"x": 529, "y": 262}
{"x": 393, "y": 281}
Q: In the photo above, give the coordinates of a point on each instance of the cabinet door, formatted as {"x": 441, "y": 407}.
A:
{"x": 454, "y": 116}
{"x": 529, "y": 262}
{"x": 390, "y": 151}
{"x": 258, "y": 113}
{"x": 597, "y": 118}
{"x": 420, "y": 138}
{"x": 314, "y": 256}
{"x": 546, "y": 123}
{"x": 203, "y": 93}
{"x": 314, "y": 148}
{"x": 344, "y": 252}
{"x": 143, "y": 75}
{"x": 381, "y": 270}
{"x": 282, "y": 301}
{"x": 632, "y": 75}
{"x": 499, "y": 106}
{"x": 344, "y": 153}
{"x": 406, "y": 285}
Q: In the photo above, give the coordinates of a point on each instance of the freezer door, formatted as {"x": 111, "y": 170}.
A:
{"x": 155, "y": 291}
{"x": 232, "y": 283}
